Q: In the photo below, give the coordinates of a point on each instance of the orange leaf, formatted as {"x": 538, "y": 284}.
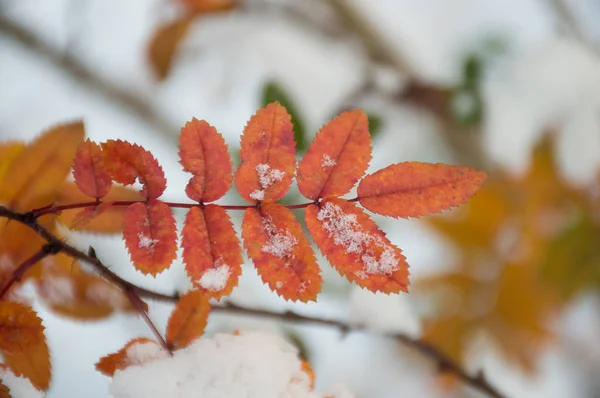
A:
{"x": 281, "y": 253}
{"x": 208, "y": 6}
{"x": 23, "y": 344}
{"x": 127, "y": 162}
{"x": 415, "y": 189}
{"x": 68, "y": 290}
{"x": 150, "y": 235}
{"x": 89, "y": 171}
{"x": 19, "y": 327}
{"x": 355, "y": 246}
{"x": 108, "y": 219}
{"x": 188, "y": 319}
{"x": 8, "y": 153}
{"x": 268, "y": 155}
{"x": 120, "y": 360}
{"x": 211, "y": 250}
{"x": 337, "y": 158}
{"x": 164, "y": 44}
{"x": 4, "y": 391}
{"x": 33, "y": 178}
{"x": 203, "y": 152}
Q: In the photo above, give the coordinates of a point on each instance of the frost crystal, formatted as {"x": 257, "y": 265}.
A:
{"x": 327, "y": 161}
{"x": 146, "y": 242}
{"x": 257, "y": 194}
{"x": 267, "y": 175}
{"x": 58, "y": 290}
{"x": 215, "y": 278}
{"x": 346, "y": 231}
{"x": 279, "y": 243}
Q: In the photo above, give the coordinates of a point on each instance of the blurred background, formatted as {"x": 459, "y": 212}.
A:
{"x": 508, "y": 284}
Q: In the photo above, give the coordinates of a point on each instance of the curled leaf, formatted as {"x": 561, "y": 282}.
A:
{"x": 188, "y": 319}
{"x": 127, "y": 162}
{"x": 268, "y": 155}
{"x": 281, "y": 253}
{"x": 211, "y": 250}
{"x": 203, "y": 152}
{"x": 415, "y": 189}
{"x": 337, "y": 158}
{"x": 150, "y": 235}
{"x": 355, "y": 246}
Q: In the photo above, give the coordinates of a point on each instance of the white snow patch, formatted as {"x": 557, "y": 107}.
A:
{"x": 101, "y": 292}
{"x": 145, "y": 352}
{"x": 58, "y": 290}
{"x": 267, "y": 175}
{"x": 279, "y": 243}
{"x": 19, "y": 386}
{"x": 216, "y": 278}
{"x": 250, "y": 364}
{"x": 146, "y": 242}
{"x": 346, "y": 231}
{"x": 257, "y": 194}
{"x": 327, "y": 161}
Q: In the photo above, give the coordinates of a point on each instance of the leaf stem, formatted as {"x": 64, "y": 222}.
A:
{"x": 25, "y": 265}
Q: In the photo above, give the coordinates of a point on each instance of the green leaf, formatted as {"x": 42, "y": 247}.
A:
{"x": 273, "y": 91}
{"x": 375, "y": 124}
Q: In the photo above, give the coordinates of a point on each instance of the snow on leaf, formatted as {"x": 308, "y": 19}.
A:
{"x": 203, "y": 152}
{"x": 188, "y": 319}
{"x": 355, "y": 246}
{"x": 127, "y": 162}
{"x": 268, "y": 155}
{"x": 244, "y": 364}
{"x": 123, "y": 358}
{"x": 150, "y": 235}
{"x": 34, "y": 176}
{"x": 13, "y": 386}
{"x": 415, "y": 189}
{"x": 104, "y": 218}
{"x": 337, "y": 158}
{"x": 281, "y": 253}
{"x": 23, "y": 345}
{"x": 211, "y": 250}
{"x": 89, "y": 171}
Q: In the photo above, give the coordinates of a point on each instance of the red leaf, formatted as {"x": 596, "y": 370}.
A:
{"x": 188, "y": 319}
{"x": 415, "y": 189}
{"x": 91, "y": 176}
{"x": 268, "y": 155}
{"x": 337, "y": 158}
{"x": 355, "y": 246}
{"x": 127, "y": 162}
{"x": 281, "y": 253}
{"x": 150, "y": 235}
{"x": 203, "y": 152}
{"x": 211, "y": 250}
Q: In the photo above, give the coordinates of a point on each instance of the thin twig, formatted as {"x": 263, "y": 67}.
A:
{"x": 136, "y": 104}
{"x": 134, "y": 293}
{"x": 24, "y": 267}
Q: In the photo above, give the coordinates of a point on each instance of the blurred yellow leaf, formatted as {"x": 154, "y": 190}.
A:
{"x": 164, "y": 44}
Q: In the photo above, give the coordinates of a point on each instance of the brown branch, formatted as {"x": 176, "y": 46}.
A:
{"x": 134, "y": 293}
{"x": 137, "y": 105}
